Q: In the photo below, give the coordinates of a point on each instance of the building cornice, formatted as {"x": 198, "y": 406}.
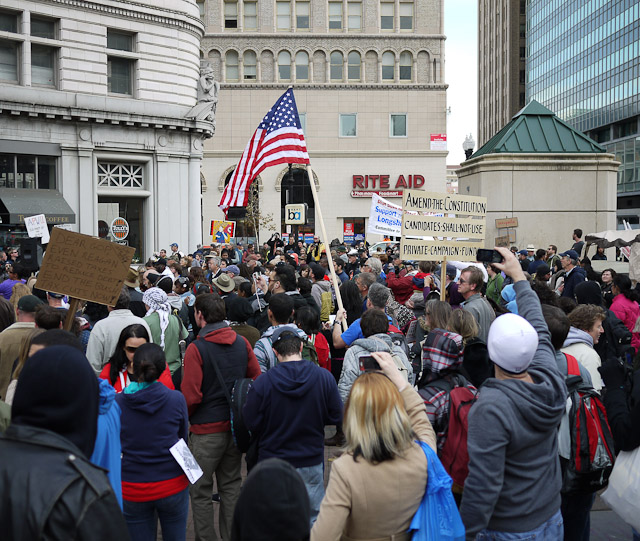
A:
{"x": 368, "y": 154}
{"x": 269, "y": 36}
{"x": 139, "y": 11}
{"x": 328, "y": 86}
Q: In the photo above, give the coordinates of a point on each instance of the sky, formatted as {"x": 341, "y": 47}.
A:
{"x": 461, "y": 74}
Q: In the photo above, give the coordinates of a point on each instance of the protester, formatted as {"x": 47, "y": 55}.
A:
{"x": 514, "y": 477}
{"x": 476, "y": 365}
{"x": 494, "y": 285}
{"x": 238, "y": 313}
{"x": 8, "y": 313}
{"x": 23, "y": 354}
{"x": 606, "y": 285}
{"x": 470, "y": 287}
{"x": 383, "y": 418}
{"x": 153, "y": 419}
{"x": 308, "y": 321}
{"x": 285, "y": 518}
{"x": 287, "y": 409}
{"x": 573, "y": 275}
{"x": 625, "y": 306}
{"x": 46, "y": 478}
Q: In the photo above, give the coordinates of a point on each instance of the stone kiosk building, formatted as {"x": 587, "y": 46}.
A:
{"x": 370, "y": 88}
{"x": 545, "y": 173}
{"x": 99, "y": 118}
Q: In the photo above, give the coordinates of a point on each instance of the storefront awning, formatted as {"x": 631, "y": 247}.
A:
{"x": 21, "y": 203}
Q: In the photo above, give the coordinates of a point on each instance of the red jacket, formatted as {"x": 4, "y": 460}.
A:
{"x": 165, "y": 378}
{"x": 191, "y": 386}
{"x": 402, "y": 287}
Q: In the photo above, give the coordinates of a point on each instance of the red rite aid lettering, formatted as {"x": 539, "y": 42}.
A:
{"x": 381, "y": 182}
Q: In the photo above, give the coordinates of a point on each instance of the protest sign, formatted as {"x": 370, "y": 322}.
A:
{"x": 446, "y": 203}
{"x": 439, "y": 249}
{"x": 384, "y": 217}
{"x": 84, "y": 267}
{"x": 441, "y": 226}
{"x": 37, "y": 227}
{"x": 222, "y": 231}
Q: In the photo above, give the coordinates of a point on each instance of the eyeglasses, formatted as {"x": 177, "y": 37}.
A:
{"x": 131, "y": 349}
{"x": 463, "y": 281}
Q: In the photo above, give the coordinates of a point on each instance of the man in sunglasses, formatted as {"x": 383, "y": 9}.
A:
{"x": 470, "y": 287}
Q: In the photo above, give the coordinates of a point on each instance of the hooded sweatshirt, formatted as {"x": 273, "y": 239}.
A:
{"x": 288, "y": 407}
{"x": 514, "y": 471}
{"x": 107, "y": 450}
{"x": 318, "y": 288}
{"x": 153, "y": 420}
{"x": 579, "y": 343}
{"x": 363, "y": 347}
{"x": 263, "y": 350}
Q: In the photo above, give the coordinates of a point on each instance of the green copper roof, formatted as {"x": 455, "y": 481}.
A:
{"x": 535, "y": 129}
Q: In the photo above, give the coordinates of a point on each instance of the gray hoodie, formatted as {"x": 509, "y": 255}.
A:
{"x": 317, "y": 289}
{"x": 263, "y": 350}
{"x": 362, "y": 347}
{"x": 514, "y": 472}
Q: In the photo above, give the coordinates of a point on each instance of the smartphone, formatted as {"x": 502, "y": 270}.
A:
{"x": 489, "y": 256}
{"x": 367, "y": 362}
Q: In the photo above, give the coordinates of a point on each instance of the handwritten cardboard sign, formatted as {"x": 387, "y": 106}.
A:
{"x": 421, "y": 250}
{"x": 37, "y": 227}
{"x": 84, "y": 267}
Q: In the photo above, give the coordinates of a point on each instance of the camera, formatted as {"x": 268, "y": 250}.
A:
{"x": 367, "y": 362}
{"x": 489, "y": 256}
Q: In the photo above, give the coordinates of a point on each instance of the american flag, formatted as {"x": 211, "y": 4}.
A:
{"x": 278, "y": 139}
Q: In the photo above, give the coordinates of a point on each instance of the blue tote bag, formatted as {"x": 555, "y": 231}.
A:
{"x": 437, "y": 518}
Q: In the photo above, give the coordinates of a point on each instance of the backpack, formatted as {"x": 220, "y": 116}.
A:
{"x": 592, "y": 448}
{"x": 326, "y": 306}
{"x": 309, "y": 352}
{"x": 454, "y": 454}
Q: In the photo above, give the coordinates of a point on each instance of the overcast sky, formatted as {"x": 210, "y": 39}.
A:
{"x": 461, "y": 74}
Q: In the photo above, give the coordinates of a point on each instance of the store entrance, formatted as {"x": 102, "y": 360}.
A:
{"x": 129, "y": 208}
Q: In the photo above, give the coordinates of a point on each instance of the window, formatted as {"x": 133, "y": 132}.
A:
{"x": 250, "y": 15}
{"x": 8, "y": 22}
{"x": 201, "y": 8}
{"x": 406, "y": 16}
{"x": 398, "y": 125}
{"x": 302, "y": 66}
{"x": 284, "y": 66}
{"x": 355, "y": 15}
{"x": 43, "y": 28}
{"x": 386, "y": 15}
{"x": 43, "y": 65}
{"x": 231, "y": 65}
{"x": 302, "y": 15}
{"x": 29, "y": 172}
{"x": 337, "y": 61}
{"x": 353, "y": 66}
{"x": 303, "y": 122}
{"x": 335, "y": 15}
{"x": 388, "y": 65}
{"x": 8, "y": 61}
{"x": 121, "y": 175}
{"x": 231, "y": 14}
{"x": 283, "y": 11}
{"x": 250, "y": 61}
{"x": 406, "y": 66}
{"x": 348, "y": 125}
{"x": 119, "y": 41}
{"x": 119, "y": 75}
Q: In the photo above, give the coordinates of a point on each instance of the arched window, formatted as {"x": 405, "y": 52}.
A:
{"x": 406, "y": 66}
{"x": 353, "y": 66}
{"x": 337, "y": 61}
{"x": 284, "y": 66}
{"x": 388, "y": 66}
{"x": 295, "y": 189}
{"x": 249, "y": 61}
{"x": 231, "y": 62}
{"x": 302, "y": 66}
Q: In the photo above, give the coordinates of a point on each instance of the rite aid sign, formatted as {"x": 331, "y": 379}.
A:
{"x": 295, "y": 214}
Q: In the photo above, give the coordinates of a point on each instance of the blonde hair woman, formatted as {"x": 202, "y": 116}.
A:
{"x": 376, "y": 486}
{"x": 18, "y": 291}
{"x": 476, "y": 366}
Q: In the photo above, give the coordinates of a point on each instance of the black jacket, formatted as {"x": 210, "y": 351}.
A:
{"x": 623, "y": 413}
{"x": 49, "y": 490}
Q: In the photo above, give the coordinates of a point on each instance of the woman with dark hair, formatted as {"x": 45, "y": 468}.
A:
{"x": 119, "y": 370}
{"x": 153, "y": 419}
{"x": 351, "y": 300}
{"x": 308, "y": 319}
{"x": 7, "y": 314}
{"x": 625, "y": 307}
{"x": 606, "y": 283}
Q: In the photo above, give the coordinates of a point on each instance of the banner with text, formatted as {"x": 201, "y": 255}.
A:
{"x": 457, "y": 235}
{"x": 384, "y": 217}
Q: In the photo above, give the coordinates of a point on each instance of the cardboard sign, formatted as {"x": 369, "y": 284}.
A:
{"x": 37, "y": 227}
{"x": 421, "y": 250}
{"x": 84, "y": 267}
{"x": 504, "y": 223}
{"x": 436, "y": 226}
{"x": 502, "y": 241}
{"x": 446, "y": 203}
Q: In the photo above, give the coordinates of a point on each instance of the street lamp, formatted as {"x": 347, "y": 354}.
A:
{"x": 468, "y": 145}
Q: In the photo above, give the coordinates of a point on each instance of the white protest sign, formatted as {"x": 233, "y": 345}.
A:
{"x": 384, "y": 218}
{"x": 186, "y": 460}
{"x": 37, "y": 227}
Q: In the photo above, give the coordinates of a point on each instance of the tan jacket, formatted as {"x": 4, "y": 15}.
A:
{"x": 367, "y": 501}
{"x": 10, "y": 341}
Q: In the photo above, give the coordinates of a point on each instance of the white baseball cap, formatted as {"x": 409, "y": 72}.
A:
{"x": 512, "y": 342}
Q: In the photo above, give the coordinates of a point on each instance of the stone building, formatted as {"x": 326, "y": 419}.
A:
{"x": 369, "y": 83}
{"x": 100, "y": 118}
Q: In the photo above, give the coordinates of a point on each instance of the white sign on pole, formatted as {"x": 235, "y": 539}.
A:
{"x": 385, "y": 218}
{"x": 37, "y": 227}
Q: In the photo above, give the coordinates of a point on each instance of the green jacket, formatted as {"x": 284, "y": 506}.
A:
{"x": 172, "y": 335}
{"x": 494, "y": 288}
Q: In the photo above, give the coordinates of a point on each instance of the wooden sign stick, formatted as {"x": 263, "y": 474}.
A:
{"x": 443, "y": 278}
{"x": 71, "y": 314}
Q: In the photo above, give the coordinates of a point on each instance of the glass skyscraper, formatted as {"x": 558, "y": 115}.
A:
{"x": 583, "y": 63}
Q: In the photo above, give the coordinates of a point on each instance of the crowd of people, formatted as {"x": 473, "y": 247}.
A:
{"x": 199, "y": 345}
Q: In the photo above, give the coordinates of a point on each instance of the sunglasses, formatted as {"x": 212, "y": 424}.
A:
{"x": 463, "y": 281}
{"x": 131, "y": 349}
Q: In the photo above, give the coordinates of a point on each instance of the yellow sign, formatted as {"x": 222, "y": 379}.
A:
{"x": 441, "y": 226}
{"x": 222, "y": 231}
{"x": 422, "y": 250}
{"x": 417, "y": 200}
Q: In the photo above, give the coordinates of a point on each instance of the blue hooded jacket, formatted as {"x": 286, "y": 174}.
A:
{"x": 106, "y": 452}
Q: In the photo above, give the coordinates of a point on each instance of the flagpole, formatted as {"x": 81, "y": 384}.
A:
{"x": 332, "y": 270}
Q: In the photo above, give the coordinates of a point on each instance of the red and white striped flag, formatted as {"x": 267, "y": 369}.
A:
{"x": 278, "y": 139}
